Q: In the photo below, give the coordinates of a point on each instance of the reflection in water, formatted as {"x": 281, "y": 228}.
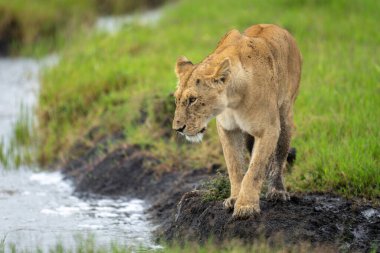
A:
{"x": 39, "y": 209}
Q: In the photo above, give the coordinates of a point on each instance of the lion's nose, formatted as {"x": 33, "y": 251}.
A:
{"x": 180, "y": 130}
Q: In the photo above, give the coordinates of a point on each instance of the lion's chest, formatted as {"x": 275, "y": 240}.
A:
{"x": 230, "y": 120}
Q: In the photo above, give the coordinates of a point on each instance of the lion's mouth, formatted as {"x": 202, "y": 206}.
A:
{"x": 197, "y": 137}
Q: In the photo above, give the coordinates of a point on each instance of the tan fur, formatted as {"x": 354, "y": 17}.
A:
{"x": 249, "y": 83}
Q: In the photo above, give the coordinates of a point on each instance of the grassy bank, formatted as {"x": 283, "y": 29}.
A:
{"x": 37, "y": 27}
{"x": 90, "y": 245}
{"x": 122, "y": 81}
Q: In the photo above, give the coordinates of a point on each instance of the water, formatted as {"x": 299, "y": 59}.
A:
{"x": 112, "y": 24}
{"x": 18, "y": 86}
{"x": 38, "y": 209}
{"x": 371, "y": 214}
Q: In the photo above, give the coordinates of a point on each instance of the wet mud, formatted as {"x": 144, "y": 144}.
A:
{"x": 183, "y": 214}
{"x": 316, "y": 219}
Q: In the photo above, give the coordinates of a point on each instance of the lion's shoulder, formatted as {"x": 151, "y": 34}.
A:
{"x": 233, "y": 37}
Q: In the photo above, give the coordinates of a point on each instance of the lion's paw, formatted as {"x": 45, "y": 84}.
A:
{"x": 245, "y": 211}
{"x": 229, "y": 203}
{"x": 276, "y": 195}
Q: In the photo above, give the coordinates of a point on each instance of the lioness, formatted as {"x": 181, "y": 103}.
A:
{"x": 249, "y": 83}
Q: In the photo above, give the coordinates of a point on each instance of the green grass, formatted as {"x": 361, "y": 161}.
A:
{"x": 218, "y": 188}
{"x": 108, "y": 80}
{"x": 40, "y": 25}
{"x": 90, "y": 245}
{"x": 19, "y": 149}
{"x": 36, "y": 27}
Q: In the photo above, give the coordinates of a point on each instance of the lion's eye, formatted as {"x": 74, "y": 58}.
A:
{"x": 192, "y": 100}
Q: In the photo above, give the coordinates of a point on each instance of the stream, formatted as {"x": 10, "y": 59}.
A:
{"x": 40, "y": 209}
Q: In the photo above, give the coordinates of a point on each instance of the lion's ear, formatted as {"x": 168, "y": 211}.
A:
{"x": 183, "y": 65}
{"x": 222, "y": 71}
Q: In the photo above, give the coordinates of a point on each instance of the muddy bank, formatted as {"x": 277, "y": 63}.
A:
{"x": 316, "y": 219}
{"x": 132, "y": 171}
{"x": 178, "y": 206}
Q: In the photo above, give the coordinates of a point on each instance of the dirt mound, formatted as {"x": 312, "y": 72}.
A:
{"x": 317, "y": 219}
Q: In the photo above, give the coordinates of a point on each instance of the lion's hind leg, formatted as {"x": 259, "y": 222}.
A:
{"x": 276, "y": 186}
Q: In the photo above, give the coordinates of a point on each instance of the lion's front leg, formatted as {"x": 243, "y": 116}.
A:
{"x": 233, "y": 150}
{"x": 247, "y": 202}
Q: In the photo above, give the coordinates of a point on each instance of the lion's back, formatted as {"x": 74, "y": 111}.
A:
{"x": 284, "y": 51}
{"x": 279, "y": 40}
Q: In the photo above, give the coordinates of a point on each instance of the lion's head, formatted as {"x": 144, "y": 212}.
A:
{"x": 200, "y": 95}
